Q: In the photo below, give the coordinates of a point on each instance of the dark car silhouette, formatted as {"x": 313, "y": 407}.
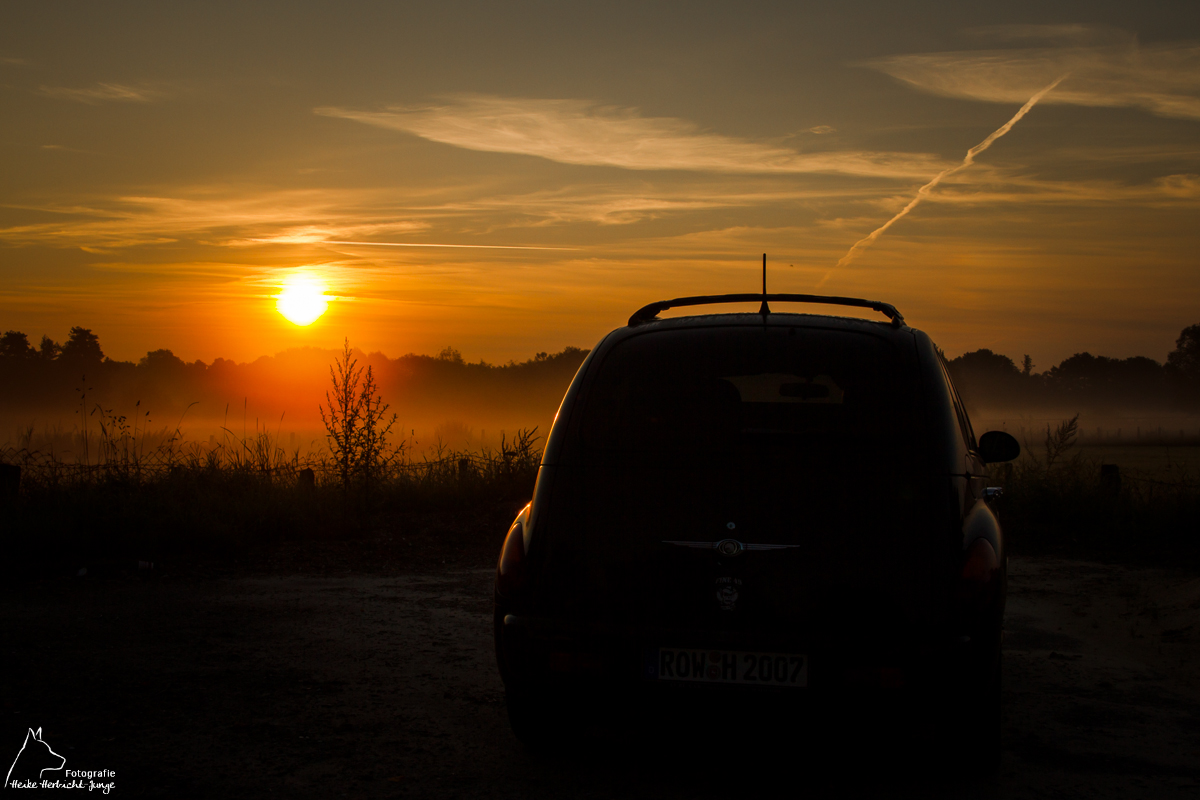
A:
{"x": 733, "y": 507}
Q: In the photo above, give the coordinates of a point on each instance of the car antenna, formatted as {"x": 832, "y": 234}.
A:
{"x": 764, "y": 309}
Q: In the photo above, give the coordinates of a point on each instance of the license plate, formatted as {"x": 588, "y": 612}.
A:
{"x": 727, "y": 666}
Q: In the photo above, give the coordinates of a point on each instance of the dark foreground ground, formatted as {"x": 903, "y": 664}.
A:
{"x": 355, "y": 670}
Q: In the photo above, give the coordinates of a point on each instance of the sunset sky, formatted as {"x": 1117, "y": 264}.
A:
{"x": 168, "y": 167}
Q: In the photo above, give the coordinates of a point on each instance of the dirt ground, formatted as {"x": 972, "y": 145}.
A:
{"x": 344, "y": 675}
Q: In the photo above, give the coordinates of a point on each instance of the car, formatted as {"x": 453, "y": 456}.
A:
{"x": 764, "y": 508}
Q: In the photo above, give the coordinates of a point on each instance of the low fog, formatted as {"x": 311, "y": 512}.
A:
{"x": 52, "y": 392}
{"x": 439, "y": 401}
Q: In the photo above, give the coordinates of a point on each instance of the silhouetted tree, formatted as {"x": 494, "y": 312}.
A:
{"x": 1093, "y": 379}
{"x": 1185, "y": 358}
{"x": 984, "y": 363}
{"x": 450, "y": 354}
{"x": 161, "y": 360}
{"x": 1078, "y": 373}
{"x": 82, "y": 347}
{"x": 49, "y": 349}
{"x": 985, "y": 378}
{"x": 1183, "y": 365}
{"x": 15, "y": 345}
{"x": 356, "y": 422}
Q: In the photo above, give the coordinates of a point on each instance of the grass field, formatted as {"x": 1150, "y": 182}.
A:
{"x": 1162, "y": 462}
{"x": 128, "y": 506}
{"x": 1060, "y": 498}
{"x": 220, "y": 501}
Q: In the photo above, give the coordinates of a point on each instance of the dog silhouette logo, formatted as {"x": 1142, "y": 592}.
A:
{"x": 34, "y": 759}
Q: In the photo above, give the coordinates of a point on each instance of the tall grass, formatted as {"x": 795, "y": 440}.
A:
{"x": 1057, "y": 499}
{"x": 132, "y": 494}
{"x": 118, "y": 489}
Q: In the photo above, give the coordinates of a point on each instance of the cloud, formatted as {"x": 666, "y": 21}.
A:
{"x": 1185, "y": 185}
{"x": 1163, "y": 79}
{"x": 219, "y": 216}
{"x": 926, "y": 190}
{"x": 578, "y": 132}
{"x": 248, "y": 217}
{"x": 312, "y": 220}
{"x": 615, "y": 205}
{"x": 103, "y": 92}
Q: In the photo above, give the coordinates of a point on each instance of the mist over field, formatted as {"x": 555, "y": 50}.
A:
{"x": 1119, "y": 401}
{"x": 438, "y": 400}
{"x": 442, "y": 400}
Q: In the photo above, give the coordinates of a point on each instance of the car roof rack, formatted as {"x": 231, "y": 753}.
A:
{"x": 647, "y": 313}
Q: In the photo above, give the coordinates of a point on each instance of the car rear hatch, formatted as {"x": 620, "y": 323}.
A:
{"x": 746, "y": 487}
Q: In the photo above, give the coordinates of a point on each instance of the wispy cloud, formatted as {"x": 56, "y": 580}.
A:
{"x": 928, "y": 188}
{"x": 454, "y": 246}
{"x": 578, "y": 132}
{"x": 320, "y": 220}
{"x": 220, "y": 216}
{"x": 1168, "y": 191}
{"x": 1184, "y": 185}
{"x": 104, "y": 93}
{"x": 248, "y": 217}
{"x": 615, "y": 205}
{"x": 1106, "y": 70}
{"x": 62, "y": 148}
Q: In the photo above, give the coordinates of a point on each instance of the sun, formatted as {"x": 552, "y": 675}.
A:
{"x": 301, "y": 299}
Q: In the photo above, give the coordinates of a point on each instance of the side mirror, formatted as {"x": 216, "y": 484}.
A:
{"x": 996, "y": 447}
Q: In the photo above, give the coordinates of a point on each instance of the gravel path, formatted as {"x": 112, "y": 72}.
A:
{"x": 362, "y": 685}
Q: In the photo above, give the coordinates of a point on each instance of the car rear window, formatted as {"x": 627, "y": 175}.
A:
{"x": 691, "y": 392}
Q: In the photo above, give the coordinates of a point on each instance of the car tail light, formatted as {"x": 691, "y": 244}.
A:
{"x": 979, "y": 570}
{"x": 511, "y": 571}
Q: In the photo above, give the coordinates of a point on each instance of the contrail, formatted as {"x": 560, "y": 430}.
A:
{"x": 471, "y": 246}
{"x": 927, "y": 189}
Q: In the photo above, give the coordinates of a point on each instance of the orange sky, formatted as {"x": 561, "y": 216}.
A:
{"x": 165, "y": 170}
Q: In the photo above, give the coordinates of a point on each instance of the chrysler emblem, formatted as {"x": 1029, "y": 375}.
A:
{"x": 729, "y": 547}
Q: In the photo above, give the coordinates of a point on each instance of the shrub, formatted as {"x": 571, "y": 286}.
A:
{"x": 357, "y": 426}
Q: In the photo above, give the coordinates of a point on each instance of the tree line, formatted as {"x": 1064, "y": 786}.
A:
{"x": 52, "y": 380}
{"x": 1084, "y": 381}
{"x": 82, "y": 347}
{"x": 53, "y": 376}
